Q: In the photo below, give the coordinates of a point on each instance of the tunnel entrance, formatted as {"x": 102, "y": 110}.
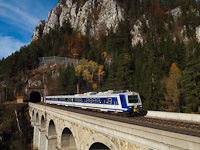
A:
{"x": 35, "y": 97}
{"x": 99, "y": 146}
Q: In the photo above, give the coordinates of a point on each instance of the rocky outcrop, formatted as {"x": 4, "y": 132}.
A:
{"x": 93, "y": 17}
{"x": 38, "y": 30}
{"x": 198, "y": 33}
{"x": 177, "y": 12}
{"x": 137, "y": 36}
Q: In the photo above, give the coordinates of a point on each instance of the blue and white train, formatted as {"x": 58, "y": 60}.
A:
{"x": 113, "y": 101}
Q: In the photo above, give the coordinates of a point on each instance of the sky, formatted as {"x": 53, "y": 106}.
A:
{"x": 18, "y": 19}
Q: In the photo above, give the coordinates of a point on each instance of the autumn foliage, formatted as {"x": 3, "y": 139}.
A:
{"x": 72, "y": 46}
{"x": 156, "y": 11}
{"x": 172, "y": 88}
{"x": 91, "y": 72}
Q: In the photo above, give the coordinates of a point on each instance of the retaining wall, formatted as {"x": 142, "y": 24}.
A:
{"x": 172, "y": 115}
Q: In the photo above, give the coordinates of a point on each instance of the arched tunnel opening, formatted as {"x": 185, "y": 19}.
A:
{"x": 99, "y": 146}
{"x": 35, "y": 97}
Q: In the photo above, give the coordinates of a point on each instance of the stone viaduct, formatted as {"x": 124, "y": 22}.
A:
{"x": 56, "y": 129}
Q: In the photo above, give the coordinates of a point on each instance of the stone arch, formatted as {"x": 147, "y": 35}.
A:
{"x": 33, "y": 116}
{"x": 43, "y": 122}
{"x": 35, "y": 97}
{"x": 98, "y": 146}
{"x": 68, "y": 140}
{"x": 52, "y": 136}
{"x": 100, "y": 139}
{"x": 51, "y": 128}
{"x": 37, "y": 118}
{"x": 66, "y": 125}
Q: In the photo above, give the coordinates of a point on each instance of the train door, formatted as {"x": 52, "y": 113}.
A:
{"x": 115, "y": 102}
{"x": 104, "y": 103}
{"x": 123, "y": 101}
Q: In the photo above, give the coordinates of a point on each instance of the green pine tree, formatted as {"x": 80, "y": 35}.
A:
{"x": 190, "y": 84}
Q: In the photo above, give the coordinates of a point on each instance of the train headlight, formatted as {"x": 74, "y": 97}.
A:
{"x": 130, "y": 107}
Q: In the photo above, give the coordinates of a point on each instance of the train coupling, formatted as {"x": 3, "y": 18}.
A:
{"x": 136, "y": 110}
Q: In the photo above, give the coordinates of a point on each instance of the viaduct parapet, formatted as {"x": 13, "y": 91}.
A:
{"x": 56, "y": 129}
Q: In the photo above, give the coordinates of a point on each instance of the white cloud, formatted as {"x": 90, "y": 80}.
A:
{"x": 18, "y": 17}
{"x": 9, "y": 45}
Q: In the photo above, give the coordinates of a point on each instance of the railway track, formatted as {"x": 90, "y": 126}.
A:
{"x": 176, "y": 126}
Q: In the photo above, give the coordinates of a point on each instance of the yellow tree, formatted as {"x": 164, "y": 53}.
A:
{"x": 87, "y": 76}
{"x": 93, "y": 67}
{"x": 101, "y": 73}
{"x": 172, "y": 88}
{"x": 91, "y": 71}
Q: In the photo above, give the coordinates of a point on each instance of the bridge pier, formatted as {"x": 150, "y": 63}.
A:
{"x": 42, "y": 139}
{"x": 36, "y": 135}
{"x": 51, "y": 142}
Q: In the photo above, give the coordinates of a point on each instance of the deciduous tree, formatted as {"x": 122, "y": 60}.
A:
{"x": 172, "y": 97}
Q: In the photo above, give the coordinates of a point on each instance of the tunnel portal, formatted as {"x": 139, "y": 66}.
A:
{"x": 35, "y": 97}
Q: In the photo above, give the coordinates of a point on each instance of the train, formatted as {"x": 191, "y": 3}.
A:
{"x": 124, "y": 101}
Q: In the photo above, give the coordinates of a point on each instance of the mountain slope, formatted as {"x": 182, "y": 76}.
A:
{"x": 151, "y": 47}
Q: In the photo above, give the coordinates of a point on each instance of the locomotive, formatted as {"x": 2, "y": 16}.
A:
{"x": 108, "y": 101}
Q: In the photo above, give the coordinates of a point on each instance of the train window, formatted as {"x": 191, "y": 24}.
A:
{"x": 98, "y": 100}
{"x": 109, "y": 101}
{"x": 87, "y": 100}
{"x": 133, "y": 99}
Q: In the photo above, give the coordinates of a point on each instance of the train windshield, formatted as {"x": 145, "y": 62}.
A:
{"x": 133, "y": 99}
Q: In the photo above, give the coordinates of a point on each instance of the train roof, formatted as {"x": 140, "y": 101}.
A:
{"x": 109, "y": 92}
{"x": 105, "y": 93}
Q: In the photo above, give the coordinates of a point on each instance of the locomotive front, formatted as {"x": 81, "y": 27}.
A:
{"x": 133, "y": 102}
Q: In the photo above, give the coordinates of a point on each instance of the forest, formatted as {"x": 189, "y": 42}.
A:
{"x": 164, "y": 69}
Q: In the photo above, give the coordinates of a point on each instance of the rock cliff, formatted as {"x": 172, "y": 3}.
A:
{"x": 92, "y": 17}
{"x": 96, "y": 16}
